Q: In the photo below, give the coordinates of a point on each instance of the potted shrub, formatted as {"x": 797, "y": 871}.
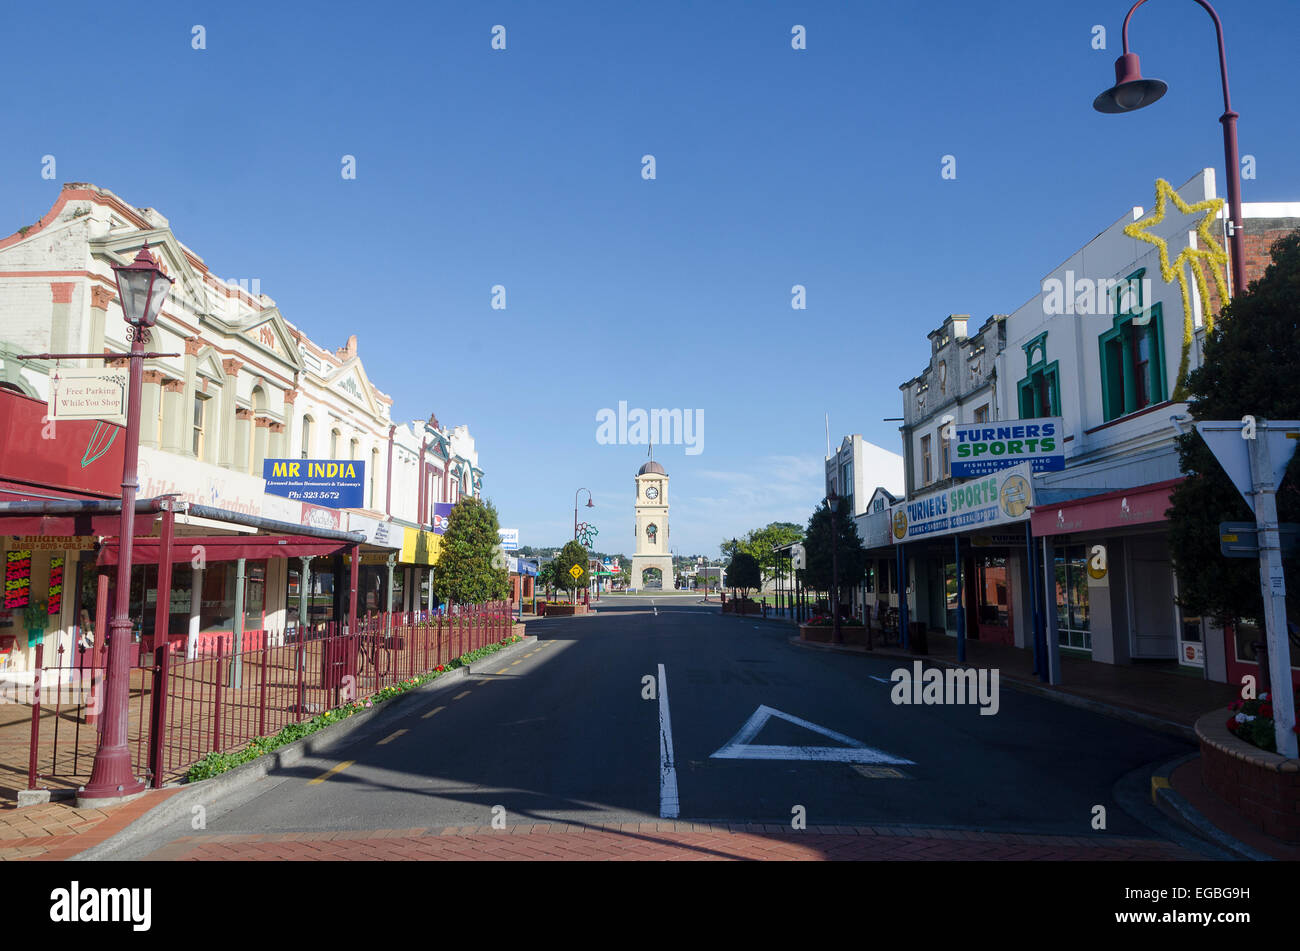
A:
{"x": 35, "y": 617}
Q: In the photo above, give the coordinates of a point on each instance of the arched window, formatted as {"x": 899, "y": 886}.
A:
{"x": 306, "y": 437}
{"x": 334, "y": 443}
{"x": 374, "y": 478}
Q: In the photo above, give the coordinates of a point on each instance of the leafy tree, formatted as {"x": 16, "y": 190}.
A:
{"x": 1250, "y": 368}
{"x": 571, "y": 554}
{"x": 743, "y": 573}
{"x": 849, "y": 553}
{"x": 759, "y": 543}
{"x": 546, "y": 576}
{"x": 470, "y": 568}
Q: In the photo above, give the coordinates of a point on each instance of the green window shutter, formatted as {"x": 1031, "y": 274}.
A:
{"x": 1159, "y": 383}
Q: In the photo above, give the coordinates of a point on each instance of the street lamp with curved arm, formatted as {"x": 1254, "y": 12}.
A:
{"x": 1132, "y": 92}
{"x": 590, "y": 504}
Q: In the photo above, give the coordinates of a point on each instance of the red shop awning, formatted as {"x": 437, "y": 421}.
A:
{"x": 146, "y": 550}
{"x": 61, "y": 525}
{"x": 1123, "y": 508}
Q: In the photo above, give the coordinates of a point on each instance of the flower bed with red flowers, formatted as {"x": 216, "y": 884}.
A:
{"x": 825, "y": 620}
{"x": 1252, "y": 721}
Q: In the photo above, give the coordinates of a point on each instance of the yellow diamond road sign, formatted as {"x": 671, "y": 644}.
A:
{"x": 575, "y": 571}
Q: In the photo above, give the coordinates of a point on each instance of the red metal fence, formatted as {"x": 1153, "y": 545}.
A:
{"x": 218, "y": 699}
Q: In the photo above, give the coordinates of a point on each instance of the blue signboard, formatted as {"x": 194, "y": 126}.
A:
{"x": 985, "y": 448}
{"x": 441, "y": 513}
{"x": 332, "y": 483}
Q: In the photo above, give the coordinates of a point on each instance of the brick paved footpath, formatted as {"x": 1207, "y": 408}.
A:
{"x": 667, "y": 841}
{"x": 58, "y": 830}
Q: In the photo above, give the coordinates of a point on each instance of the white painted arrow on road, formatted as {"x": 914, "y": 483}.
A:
{"x": 853, "y": 751}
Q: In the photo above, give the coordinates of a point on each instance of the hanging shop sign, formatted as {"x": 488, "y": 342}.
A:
{"x": 983, "y": 448}
{"x": 18, "y": 578}
{"x": 441, "y": 515}
{"x": 88, "y": 394}
{"x": 334, "y": 483}
{"x": 55, "y": 600}
{"x": 1000, "y": 499}
{"x": 380, "y": 534}
{"x": 420, "y": 547}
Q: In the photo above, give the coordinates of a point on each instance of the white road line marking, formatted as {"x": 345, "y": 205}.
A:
{"x": 853, "y": 751}
{"x": 669, "y": 805}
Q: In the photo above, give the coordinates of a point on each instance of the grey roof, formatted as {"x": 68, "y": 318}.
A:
{"x": 651, "y": 466}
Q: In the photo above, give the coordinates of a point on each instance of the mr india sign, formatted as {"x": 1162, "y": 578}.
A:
{"x": 999, "y": 499}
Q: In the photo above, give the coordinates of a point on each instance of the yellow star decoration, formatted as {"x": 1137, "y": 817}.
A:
{"x": 1210, "y": 251}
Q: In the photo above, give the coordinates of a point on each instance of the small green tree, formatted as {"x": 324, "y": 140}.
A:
{"x": 849, "y": 554}
{"x": 469, "y": 568}
{"x": 1250, "y": 368}
{"x": 573, "y": 553}
{"x": 743, "y": 573}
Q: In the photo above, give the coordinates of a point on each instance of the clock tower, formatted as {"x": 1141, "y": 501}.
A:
{"x": 651, "y": 549}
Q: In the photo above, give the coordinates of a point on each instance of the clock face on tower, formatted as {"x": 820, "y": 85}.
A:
{"x": 652, "y": 493}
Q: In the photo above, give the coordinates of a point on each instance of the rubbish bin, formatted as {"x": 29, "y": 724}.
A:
{"x": 916, "y": 639}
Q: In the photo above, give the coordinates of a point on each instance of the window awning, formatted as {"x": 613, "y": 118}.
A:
{"x": 147, "y": 550}
{"x": 1112, "y": 509}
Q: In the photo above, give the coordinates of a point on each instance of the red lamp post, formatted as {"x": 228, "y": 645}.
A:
{"x": 1132, "y": 92}
{"x": 590, "y": 504}
{"x": 142, "y": 288}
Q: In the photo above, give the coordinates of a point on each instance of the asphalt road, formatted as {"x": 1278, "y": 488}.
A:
{"x": 569, "y": 733}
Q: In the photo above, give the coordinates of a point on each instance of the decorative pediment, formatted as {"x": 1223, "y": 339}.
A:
{"x": 187, "y": 282}
{"x": 208, "y": 364}
{"x": 268, "y": 331}
{"x": 350, "y": 381}
{"x": 439, "y": 445}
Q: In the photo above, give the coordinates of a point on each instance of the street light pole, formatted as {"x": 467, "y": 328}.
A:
{"x": 1132, "y": 92}
{"x": 575, "y": 509}
{"x": 142, "y": 288}
{"x": 833, "y": 503}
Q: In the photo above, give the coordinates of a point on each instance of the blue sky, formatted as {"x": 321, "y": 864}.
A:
{"x": 522, "y": 168}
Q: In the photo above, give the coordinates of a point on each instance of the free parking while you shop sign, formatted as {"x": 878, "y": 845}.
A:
{"x": 333, "y": 483}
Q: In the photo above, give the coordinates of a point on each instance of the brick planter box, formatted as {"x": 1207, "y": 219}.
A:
{"x": 742, "y": 607}
{"x": 565, "y": 610}
{"x": 849, "y": 634}
{"x": 1264, "y": 787}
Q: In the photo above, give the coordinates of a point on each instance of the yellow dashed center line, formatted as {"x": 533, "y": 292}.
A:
{"x": 463, "y": 693}
{"x": 326, "y": 775}
{"x": 513, "y": 663}
{"x": 432, "y": 712}
{"x": 391, "y": 737}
